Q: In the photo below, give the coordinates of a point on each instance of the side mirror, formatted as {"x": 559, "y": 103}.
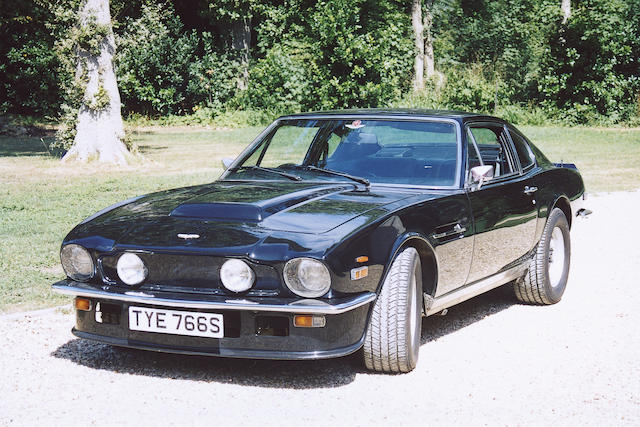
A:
{"x": 480, "y": 174}
{"x": 226, "y": 162}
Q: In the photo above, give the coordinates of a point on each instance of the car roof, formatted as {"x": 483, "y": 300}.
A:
{"x": 394, "y": 112}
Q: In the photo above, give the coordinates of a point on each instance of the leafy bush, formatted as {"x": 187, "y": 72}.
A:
{"x": 176, "y": 58}
{"x": 243, "y": 118}
{"x": 153, "y": 62}
{"x": 279, "y": 83}
{"x": 472, "y": 89}
{"x": 429, "y": 98}
{"x": 213, "y": 77}
{"x": 525, "y": 115}
{"x": 461, "y": 88}
{"x": 29, "y": 78}
{"x": 30, "y": 87}
{"x": 591, "y": 63}
{"x": 358, "y": 62}
{"x": 205, "y": 116}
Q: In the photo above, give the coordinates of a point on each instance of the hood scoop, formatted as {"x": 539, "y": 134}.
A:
{"x": 219, "y": 211}
{"x": 251, "y": 204}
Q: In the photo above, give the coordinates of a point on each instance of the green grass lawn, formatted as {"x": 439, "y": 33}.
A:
{"x": 41, "y": 199}
{"x": 609, "y": 159}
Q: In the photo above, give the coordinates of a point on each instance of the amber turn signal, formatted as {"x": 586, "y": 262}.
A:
{"x": 362, "y": 258}
{"x": 308, "y": 321}
{"x": 83, "y": 304}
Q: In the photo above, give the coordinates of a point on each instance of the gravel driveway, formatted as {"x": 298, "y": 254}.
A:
{"x": 488, "y": 361}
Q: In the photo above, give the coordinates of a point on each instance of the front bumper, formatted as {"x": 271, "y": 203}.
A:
{"x": 245, "y": 318}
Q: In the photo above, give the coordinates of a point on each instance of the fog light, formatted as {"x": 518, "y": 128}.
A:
{"x": 131, "y": 269}
{"x": 308, "y": 321}
{"x": 236, "y": 275}
{"x": 83, "y": 304}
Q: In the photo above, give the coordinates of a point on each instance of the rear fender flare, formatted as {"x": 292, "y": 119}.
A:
{"x": 563, "y": 203}
{"x": 545, "y": 210}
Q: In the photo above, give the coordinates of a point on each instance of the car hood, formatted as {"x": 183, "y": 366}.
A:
{"x": 227, "y": 213}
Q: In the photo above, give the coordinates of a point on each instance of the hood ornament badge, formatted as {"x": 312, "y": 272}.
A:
{"x": 188, "y": 236}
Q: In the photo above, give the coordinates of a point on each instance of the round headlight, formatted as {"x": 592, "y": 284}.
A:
{"x": 77, "y": 262}
{"x": 131, "y": 269}
{"x": 307, "y": 277}
{"x": 236, "y": 275}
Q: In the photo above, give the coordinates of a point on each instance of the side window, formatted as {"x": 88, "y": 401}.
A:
{"x": 484, "y": 135}
{"x": 524, "y": 153}
{"x": 492, "y": 144}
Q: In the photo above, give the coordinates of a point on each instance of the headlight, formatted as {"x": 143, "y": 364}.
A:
{"x": 307, "y": 277}
{"x": 77, "y": 262}
{"x": 236, "y": 275}
{"x": 131, "y": 269}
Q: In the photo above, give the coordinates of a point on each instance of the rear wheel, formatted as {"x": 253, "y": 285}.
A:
{"x": 546, "y": 279}
{"x": 392, "y": 342}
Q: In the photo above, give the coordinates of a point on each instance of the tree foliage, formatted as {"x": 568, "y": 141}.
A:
{"x": 177, "y": 57}
{"x": 592, "y": 62}
{"x": 29, "y": 67}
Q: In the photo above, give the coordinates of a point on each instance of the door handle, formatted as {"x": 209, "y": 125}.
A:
{"x": 457, "y": 229}
{"x": 530, "y": 190}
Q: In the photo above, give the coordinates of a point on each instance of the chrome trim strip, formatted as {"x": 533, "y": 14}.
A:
{"x": 467, "y": 292}
{"x": 304, "y": 306}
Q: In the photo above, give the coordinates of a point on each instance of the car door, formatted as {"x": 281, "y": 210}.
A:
{"x": 503, "y": 208}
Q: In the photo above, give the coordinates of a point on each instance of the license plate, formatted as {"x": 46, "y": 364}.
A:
{"x": 176, "y": 322}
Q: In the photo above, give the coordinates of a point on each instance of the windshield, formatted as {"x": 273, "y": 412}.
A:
{"x": 381, "y": 151}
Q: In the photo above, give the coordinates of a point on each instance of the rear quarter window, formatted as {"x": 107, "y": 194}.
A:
{"x": 523, "y": 151}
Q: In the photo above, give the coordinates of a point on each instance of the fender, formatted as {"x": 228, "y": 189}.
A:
{"x": 545, "y": 210}
{"x": 564, "y": 204}
{"x": 429, "y": 263}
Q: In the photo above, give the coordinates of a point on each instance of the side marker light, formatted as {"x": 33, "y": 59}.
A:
{"x": 359, "y": 273}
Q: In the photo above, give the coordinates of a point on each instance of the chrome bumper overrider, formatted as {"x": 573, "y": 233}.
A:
{"x": 207, "y": 302}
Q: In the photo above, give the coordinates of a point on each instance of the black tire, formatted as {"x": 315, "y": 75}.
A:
{"x": 392, "y": 343}
{"x": 545, "y": 282}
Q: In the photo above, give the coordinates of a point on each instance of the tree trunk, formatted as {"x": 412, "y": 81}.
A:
{"x": 418, "y": 38}
{"x": 566, "y": 10}
{"x": 429, "y": 62}
{"x": 241, "y": 41}
{"x": 100, "y": 130}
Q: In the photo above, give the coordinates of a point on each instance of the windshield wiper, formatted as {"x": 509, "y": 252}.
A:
{"x": 260, "y": 168}
{"x": 361, "y": 180}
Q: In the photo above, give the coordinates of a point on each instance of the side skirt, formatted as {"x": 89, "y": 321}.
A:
{"x": 474, "y": 289}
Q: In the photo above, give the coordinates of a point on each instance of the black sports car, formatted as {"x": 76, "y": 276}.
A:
{"x": 331, "y": 232}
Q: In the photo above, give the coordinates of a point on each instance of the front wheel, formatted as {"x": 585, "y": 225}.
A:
{"x": 392, "y": 342}
{"x": 546, "y": 279}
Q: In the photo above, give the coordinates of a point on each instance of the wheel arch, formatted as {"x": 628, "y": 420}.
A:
{"x": 564, "y": 205}
{"x": 428, "y": 259}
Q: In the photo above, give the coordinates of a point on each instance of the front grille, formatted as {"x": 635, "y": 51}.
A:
{"x": 189, "y": 273}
